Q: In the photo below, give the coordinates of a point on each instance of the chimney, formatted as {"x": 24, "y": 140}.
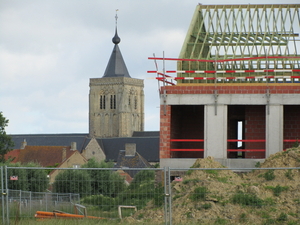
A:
{"x": 73, "y": 146}
{"x": 23, "y": 144}
{"x": 64, "y": 154}
{"x": 130, "y": 149}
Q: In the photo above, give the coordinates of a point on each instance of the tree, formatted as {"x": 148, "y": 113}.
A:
{"x": 37, "y": 178}
{"x": 73, "y": 181}
{"x": 6, "y": 143}
{"x": 105, "y": 182}
{"x": 27, "y": 179}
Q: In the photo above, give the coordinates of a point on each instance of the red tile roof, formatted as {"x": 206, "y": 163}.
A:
{"x": 43, "y": 155}
{"x": 14, "y": 154}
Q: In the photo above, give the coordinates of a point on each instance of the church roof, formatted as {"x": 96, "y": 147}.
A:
{"x": 116, "y": 66}
{"x": 51, "y": 139}
{"x": 148, "y": 147}
{"x": 147, "y": 143}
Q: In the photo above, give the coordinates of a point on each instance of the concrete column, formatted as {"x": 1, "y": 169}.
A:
{"x": 215, "y": 131}
{"x": 274, "y": 129}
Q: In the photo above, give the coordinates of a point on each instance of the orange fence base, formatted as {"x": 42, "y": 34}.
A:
{"x": 59, "y": 215}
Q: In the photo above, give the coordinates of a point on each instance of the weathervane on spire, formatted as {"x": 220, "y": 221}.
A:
{"x": 116, "y": 39}
{"x": 116, "y": 17}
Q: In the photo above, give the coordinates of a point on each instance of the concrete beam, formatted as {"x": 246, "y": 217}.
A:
{"x": 274, "y": 129}
{"x": 215, "y": 131}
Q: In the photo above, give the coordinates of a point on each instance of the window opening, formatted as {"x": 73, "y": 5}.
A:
{"x": 240, "y": 133}
{"x": 135, "y": 102}
{"x": 102, "y": 101}
{"x": 113, "y": 101}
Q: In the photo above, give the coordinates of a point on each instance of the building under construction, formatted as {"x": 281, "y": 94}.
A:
{"x": 235, "y": 95}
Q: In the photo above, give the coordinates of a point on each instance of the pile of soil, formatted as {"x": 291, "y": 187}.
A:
{"x": 273, "y": 196}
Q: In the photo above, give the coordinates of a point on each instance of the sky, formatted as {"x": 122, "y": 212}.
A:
{"x": 50, "y": 49}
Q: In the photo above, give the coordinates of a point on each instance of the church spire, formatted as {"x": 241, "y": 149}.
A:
{"x": 116, "y": 39}
{"x": 116, "y": 66}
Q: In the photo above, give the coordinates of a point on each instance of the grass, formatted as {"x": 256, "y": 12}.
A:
{"x": 278, "y": 189}
{"x": 198, "y": 194}
{"x": 247, "y": 199}
{"x": 289, "y": 175}
{"x": 73, "y": 222}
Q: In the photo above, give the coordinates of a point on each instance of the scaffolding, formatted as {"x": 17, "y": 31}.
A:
{"x": 248, "y": 43}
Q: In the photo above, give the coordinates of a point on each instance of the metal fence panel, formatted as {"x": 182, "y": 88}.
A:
{"x": 105, "y": 193}
{"x": 157, "y": 196}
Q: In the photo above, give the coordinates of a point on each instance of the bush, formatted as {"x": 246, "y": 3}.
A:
{"x": 28, "y": 179}
{"x": 105, "y": 182}
{"x": 282, "y": 217}
{"x": 206, "y": 206}
{"x": 278, "y": 189}
{"x": 73, "y": 181}
{"x": 269, "y": 175}
{"x": 198, "y": 194}
{"x": 103, "y": 202}
{"x": 247, "y": 199}
{"x": 289, "y": 174}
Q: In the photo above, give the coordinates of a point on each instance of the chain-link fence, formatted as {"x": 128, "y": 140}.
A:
{"x": 155, "y": 195}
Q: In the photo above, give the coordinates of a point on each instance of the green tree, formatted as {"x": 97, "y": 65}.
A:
{"x": 27, "y": 179}
{"x": 6, "y": 143}
{"x": 73, "y": 181}
{"x": 37, "y": 178}
{"x": 141, "y": 190}
{"x": 105, "y": 182}
{"x": 21, "y": 183}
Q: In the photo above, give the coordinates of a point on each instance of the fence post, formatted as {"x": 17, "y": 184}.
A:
{"x": 20, "y": 202}
{"x": 2, "y": 196}
{"x": 167, "y": 189}
{"x": 6, "y": 194}
{"x": 30, "y": 201}
{"x": 46, "y": 200}
{"x": 170, "y": 195}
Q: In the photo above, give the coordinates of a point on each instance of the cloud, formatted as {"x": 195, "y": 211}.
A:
{"x": 50, "y": 49}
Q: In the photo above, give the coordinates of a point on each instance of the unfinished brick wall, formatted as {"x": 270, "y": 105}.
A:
{"x": 164, "y": 145}
{"x": 255, "y": 117}
{"x": 235, "y": 88}
{"x": 291, "y": 130}
{"x": 187, "y": 122}
{"x": 255, "y": 129}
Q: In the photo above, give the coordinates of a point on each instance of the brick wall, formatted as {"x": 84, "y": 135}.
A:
{"x": 291, "y": 130}
{"x": 187, "y": 122}
{"x": 255, "y": 129}
{"x": 164, "y": 145}
{"x": 240, "y": 88}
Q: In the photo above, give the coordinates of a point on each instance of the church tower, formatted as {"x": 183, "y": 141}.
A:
{"x": 116, "y": 101}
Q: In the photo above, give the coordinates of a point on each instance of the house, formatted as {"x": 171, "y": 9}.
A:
{"x": 48, "y": 156}
{"x": 237, "y": 96}
{"x": 147, "y": 144}
{"x": 129, "y": 158}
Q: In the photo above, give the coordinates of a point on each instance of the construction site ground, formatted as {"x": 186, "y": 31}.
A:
{"x": 255, "y": 197}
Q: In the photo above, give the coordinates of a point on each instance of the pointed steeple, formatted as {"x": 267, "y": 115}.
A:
{"x": 116, "y": 66}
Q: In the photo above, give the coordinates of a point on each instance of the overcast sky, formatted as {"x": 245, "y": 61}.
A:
{"x": 49, "y": 49}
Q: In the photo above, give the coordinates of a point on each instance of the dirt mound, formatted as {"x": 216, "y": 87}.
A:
{"x": 263, "y": 196}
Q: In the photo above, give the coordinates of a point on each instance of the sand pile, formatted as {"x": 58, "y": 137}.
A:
{"x": 225, "y": 197}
